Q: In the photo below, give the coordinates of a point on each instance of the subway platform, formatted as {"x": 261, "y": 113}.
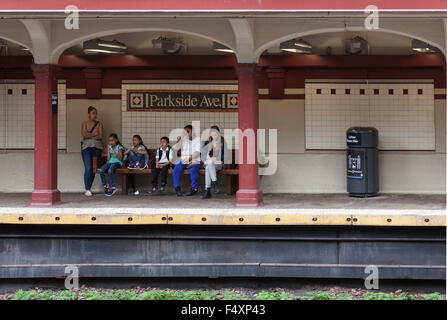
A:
{"x": 277, "y": 209}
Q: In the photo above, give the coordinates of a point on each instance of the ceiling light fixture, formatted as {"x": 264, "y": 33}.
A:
{"x": 296, "y": 46}
{"x": 422, "y": 47}
{"x": 103, "y": 46}
{"x": 221, "y": 47}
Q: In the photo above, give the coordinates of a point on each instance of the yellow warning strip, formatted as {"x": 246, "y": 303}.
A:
{"x": 92, "y": 219}
{"x": 259, "y": 219}
{"x": 399, "y": 220}
{"x": 222, "y": 219}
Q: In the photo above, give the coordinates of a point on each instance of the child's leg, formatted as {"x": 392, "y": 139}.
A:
{"x": 140, "y": 158}
{"x": 177, "y": 174}
{"x": 194, "y": 173}
{"x": 155, "y": 172}
{"x": 164, "y": 175}
{"x": 132, "y": 158}
{"x": 102, "y": 173}
{"x": 111, "y": 170}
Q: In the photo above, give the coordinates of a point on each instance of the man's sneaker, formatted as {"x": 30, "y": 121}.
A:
{"x": 191, "y": 192}
{"x": 178, "y": 192}
{"x": 112, "y": 192}
{"x": 163, "y": 187}
{"x": 154, "y": 190}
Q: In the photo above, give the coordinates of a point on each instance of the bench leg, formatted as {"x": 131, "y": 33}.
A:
{"x": 124, "y": 183}
{"x": 229, "y": 184}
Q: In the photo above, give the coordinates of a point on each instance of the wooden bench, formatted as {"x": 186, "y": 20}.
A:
{"x": 230, "y": 172}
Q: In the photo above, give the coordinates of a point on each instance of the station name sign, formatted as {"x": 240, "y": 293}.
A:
{"x": 173, "y": 100}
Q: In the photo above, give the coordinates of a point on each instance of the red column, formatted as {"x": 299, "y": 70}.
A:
{"x": 249, "y": 194}
{"x": 45, "y": 138}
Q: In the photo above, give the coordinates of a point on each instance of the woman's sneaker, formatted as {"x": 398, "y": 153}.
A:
{"x": 112, "y": 192}
{"x": 106, "y": 191}
{"x": 131, "y": 166}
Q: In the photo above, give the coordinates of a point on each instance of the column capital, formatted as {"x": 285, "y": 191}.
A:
{"x": 42, "y": 71}
{"x": 244, "y": 68}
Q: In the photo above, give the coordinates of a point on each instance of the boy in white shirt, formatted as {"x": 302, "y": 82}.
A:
{"x": 163, "y": 161}
{"x": 189, "y": 159}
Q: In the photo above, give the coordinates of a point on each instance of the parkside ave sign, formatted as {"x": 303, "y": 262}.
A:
{"x": 149, "y": 100}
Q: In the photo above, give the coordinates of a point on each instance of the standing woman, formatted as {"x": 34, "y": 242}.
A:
{"x": 92, "y": 131}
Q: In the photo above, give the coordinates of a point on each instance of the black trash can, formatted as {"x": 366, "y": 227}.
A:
{"x": 362, "y": 161}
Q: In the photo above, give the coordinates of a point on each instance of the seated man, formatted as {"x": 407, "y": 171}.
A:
{"x": 189, "y": 159}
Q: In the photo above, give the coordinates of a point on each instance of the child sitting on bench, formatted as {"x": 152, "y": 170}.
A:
{"x": 137, "y": 156}
{"x": 163, "y": 161}
{"x": 114, "y": 160}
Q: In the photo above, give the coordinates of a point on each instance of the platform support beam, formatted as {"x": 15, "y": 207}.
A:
{"x": 45, "y": 137}
{"x": 249, "y": 193}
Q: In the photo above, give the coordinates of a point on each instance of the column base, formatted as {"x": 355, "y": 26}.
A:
{"x": 248, "y": 198}
{"x": 45, "y": 198}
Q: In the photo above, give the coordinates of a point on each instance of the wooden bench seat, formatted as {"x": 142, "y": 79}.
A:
{"x": 128, "y": 175}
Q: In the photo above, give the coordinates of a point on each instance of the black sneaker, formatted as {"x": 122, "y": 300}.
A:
{"x": 215, "y": 186}
{"x": 106, "y": 191}
{"x": 112, "y": 192}
{"x": 178, "y": 192}
{"x": 206, "y": 194}
{"x": 154, "y": 190}
{"x": 162, "y": 188}
{"x": 191, "y": 192}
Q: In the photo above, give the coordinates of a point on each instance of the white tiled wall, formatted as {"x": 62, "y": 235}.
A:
{"x": 152, "y": 125}
{"x": 17, "y": 116}
{"x": 404, "y": 121}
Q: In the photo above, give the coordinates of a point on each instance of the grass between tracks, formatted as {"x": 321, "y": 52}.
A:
{"x": 145, "y": 294}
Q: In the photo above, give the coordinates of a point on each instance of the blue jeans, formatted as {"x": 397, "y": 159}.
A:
{"x": 109, "y": 168}
{"x": 135, "y": 158}
{"x": 87, "y": 157}
{"x": 193, "y": 172}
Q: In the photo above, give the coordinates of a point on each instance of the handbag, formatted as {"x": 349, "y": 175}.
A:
{"x": 90, "y": 131}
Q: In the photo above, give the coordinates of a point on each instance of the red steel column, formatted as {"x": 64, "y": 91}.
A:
{"x": 249, "y": 194}
{"x": 45, "y": 138}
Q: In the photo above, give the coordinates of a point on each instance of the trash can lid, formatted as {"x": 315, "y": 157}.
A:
{"x": 363, "y": 130}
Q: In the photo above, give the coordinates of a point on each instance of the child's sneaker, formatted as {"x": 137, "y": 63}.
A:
{"x": 112, "y": 192}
